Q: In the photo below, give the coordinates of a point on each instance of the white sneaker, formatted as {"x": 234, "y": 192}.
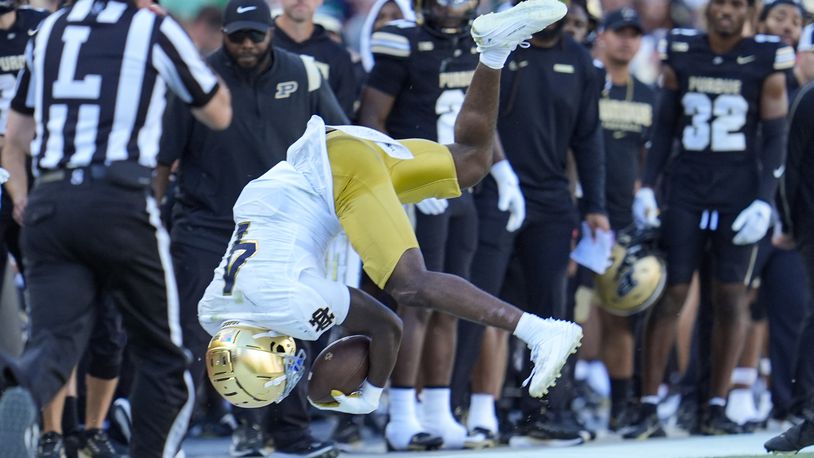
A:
{"x": 557, "y": 339}
{"x": 453, "y": 433}
{"x": 741, "y": 406}
{"x": 509, "y": 28}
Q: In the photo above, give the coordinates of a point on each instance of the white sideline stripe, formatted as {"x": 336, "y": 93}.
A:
{"x": 604, "y": 447}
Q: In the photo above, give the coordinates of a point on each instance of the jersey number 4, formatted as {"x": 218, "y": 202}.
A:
{"x": 240, "y": 252}
{"x": 714, "y": 124}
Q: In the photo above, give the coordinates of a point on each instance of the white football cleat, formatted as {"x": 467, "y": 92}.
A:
{"x": 509, "y": 28}
{"x": 558, "y": 339}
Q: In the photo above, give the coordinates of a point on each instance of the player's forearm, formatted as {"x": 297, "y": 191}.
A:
{"x": 368, "y": 317}
{"x": 217, "y": 113}
{"x": 14, "y": 162}
{"x": 375, "y": 108}
{"x": 663, "y": 135}
{"x": 475, "y": 127}
{"x": 384, "y": 345}
{"x": 773, "y": 156}
{"x": 19, "y": 133}
{"x": 161, "y": 180}
{"x": 476, "y": 123}
{"x": 590, "y": 160}
{"x": 498, "y": 153}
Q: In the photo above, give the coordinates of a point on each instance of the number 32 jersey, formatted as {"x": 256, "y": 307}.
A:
{"x": 428, "y": 74}
{"x": 717, "y": 165}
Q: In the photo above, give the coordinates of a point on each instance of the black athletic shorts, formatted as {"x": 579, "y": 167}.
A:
{"x": 685, "y": 234}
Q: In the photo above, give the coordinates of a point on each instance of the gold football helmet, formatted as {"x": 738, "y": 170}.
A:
{"x": 636, "y": 277}
{"x": 251, "y": 367}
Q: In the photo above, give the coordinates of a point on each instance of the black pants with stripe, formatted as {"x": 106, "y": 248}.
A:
{"x": 91, "y": 238}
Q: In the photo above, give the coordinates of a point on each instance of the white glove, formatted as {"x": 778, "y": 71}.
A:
{"x": 360, "y": 402}
{"x": 645, "y": 209}
{"x": 510, "y": 198}
{"x": 752, "y": 223}
{"x": 4, "y": 175}
{"x": 432, "y": 206}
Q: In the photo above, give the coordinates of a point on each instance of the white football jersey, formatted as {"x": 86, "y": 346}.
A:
{"x": 272, "y": 274}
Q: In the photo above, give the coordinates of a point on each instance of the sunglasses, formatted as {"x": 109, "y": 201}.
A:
{"x": 241, "y": 35}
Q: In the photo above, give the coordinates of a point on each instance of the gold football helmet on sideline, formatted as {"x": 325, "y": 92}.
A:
{"x": 637, "y": 275}
{"x": 251, "y": 367}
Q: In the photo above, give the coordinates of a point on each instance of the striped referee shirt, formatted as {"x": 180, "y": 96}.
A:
{"x": 95, "y": 81}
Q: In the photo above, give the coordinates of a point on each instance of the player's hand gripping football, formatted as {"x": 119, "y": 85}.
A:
{"x": 510, "y": 197}
{"x": 645, "y": 209}
{"x": 359, "y": 402}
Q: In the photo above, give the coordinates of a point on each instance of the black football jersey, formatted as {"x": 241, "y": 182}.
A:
{"x": 549, "y": 104}
{"x": 428, "y": 74}
{"x": 720, "y": 101}
{"x": 626, "y": 113}
{"x": 12, "y": 55}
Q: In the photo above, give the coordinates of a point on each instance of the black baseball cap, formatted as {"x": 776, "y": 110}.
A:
{"x": 619, "y": 19}
{"x": 246, "y": 15}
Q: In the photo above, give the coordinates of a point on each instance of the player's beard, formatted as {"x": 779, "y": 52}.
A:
{"x": 260, "y": 65}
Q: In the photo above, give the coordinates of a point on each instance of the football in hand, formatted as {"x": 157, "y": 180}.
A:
{"x": 342, "y": 366}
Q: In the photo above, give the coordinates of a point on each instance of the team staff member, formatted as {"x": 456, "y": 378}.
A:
{"x": 797, "y": 197}
{"x": 296, "y": 32}
{"x": 554, "y": 83}
{"x": 275, "y": 93}
{"x": 626, "y": 113}
{"x": 718, "y": 88}
{"x": 91, "y": 227}
{"x": 416, "y": 89}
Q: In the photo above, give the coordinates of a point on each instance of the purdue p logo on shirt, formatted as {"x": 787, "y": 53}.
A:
{"x": 285, "y": 89}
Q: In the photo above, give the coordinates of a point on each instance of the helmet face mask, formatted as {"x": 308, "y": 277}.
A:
{"x": 449, "y": 17}
{"x": 637, "y": 276}
{"x": 251, "y": 367}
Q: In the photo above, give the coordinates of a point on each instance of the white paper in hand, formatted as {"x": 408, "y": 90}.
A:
{"x": 594, "y": 252}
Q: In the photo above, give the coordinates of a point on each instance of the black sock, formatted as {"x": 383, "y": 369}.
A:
{"x": 620, "y": 393}
{"x": 70, "y": 416}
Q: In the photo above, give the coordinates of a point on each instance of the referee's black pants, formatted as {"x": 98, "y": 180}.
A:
{"x": 196, "y": 254}
{"x": 542, "y": 247}
{"x": 90, "y": 238}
